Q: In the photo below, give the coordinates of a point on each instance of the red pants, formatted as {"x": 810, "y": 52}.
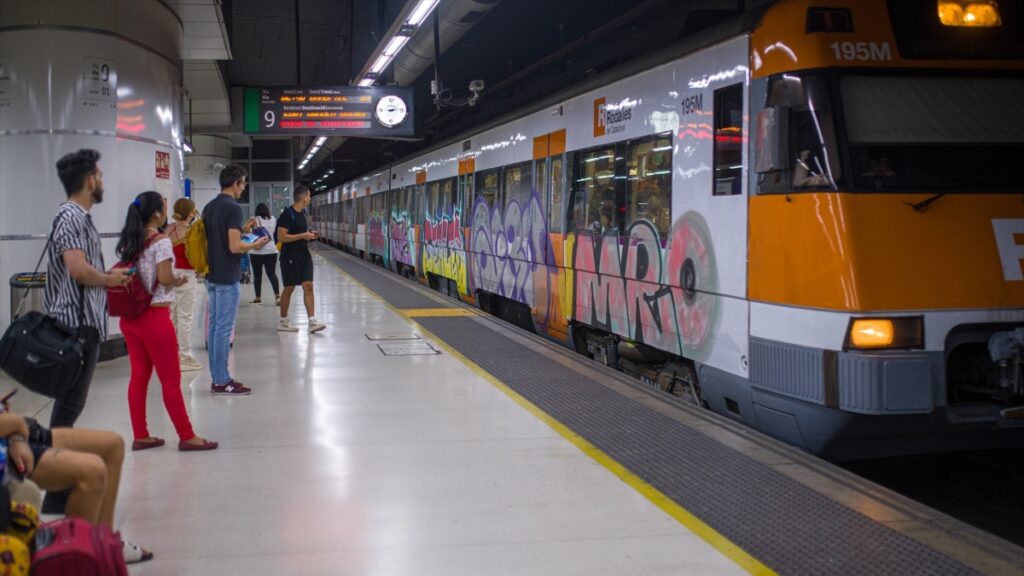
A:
{"x": 152, "y": 344}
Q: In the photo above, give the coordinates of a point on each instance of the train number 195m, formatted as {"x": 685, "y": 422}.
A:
{"x": 864, "y": 51}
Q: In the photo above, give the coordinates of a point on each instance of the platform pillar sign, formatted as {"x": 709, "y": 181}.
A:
{"x": 163, "y": 165}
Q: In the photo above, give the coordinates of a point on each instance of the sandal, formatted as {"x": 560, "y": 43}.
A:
{"x": 256, "y": 301}
{"x": 134, "y": 554}
{"x": 186, "y": 446}
{"x": 144, "y": 444}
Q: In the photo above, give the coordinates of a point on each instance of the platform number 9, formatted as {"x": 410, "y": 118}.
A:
{"x": 269, "y": 117}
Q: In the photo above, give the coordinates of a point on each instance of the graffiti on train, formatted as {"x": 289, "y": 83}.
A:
{"x": 512, "y": 253}
{"x": 377, "y": 233}
{"x": 400, "y": 237}
{"x": 443, "y": 249}
{"x": 661, "y": 294}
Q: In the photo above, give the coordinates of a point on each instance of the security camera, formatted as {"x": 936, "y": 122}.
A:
{"x": 476, "y": 86}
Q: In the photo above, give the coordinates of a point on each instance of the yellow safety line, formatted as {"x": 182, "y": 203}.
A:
{"x": 436, "y": 312}
{"x": 664, "y": 503}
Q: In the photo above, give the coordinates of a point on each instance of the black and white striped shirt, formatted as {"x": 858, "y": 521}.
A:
{"x": 73, "y": 230}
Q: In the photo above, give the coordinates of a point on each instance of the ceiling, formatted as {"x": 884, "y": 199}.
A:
{"x": 522, "y": 49}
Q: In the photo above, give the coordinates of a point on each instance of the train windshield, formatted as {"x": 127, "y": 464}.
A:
{"x": 933, "y": 133}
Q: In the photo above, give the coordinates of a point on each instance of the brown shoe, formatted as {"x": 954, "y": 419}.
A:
{"x": 153, "y": 442}
{"x": 186, "y": 446}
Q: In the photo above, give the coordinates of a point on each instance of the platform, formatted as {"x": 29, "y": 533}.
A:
{"x": 418, "y": 436}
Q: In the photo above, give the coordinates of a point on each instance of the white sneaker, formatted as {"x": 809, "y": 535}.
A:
{"x": 134, "y": 554}
{"x": 189, "y": 363}
{"x": 285, "y": 326}
{"x": 316, "y": 325}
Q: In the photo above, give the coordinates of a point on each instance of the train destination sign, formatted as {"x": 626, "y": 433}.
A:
{"x": 330, "y": 111}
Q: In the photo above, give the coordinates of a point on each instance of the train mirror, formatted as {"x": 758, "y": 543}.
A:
{"x": 772, "y": 144}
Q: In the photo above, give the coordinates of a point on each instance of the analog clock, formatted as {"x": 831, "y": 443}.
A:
{"x": 391, "y": 111}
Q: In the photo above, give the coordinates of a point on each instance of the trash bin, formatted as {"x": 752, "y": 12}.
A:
{"x": 31, "y": 284}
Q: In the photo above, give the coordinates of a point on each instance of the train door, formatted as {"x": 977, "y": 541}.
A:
{"x": 549, "y": 289}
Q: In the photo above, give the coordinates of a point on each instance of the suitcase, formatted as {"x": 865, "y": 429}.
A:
{"x": 74, "y": 547}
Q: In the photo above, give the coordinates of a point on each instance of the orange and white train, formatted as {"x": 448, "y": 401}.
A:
{"x": 808, "y": 219}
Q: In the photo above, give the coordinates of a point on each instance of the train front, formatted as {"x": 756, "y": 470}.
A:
{"x": 887, "y": 226}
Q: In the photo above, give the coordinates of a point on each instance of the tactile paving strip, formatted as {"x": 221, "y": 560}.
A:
{"x": 785, "y": 525}
{"x": 391, "y": 289}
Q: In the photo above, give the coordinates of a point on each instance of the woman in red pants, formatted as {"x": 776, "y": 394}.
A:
{"x": 150, "y": 337}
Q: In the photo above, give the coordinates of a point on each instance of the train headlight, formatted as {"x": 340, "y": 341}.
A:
{"x": 885, "y": 333}
{"x": 976, "y": 14}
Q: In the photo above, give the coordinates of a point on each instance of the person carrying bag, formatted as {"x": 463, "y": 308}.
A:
{"x": 41, "y": 353}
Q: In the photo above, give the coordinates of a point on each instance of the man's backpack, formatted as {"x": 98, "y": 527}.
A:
{"x": 195, "y": 247}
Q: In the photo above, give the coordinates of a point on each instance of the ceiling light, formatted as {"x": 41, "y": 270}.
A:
{"x": 366, "y": 82}
{"x": 421, "y": 11}
{"x": 395, "y": 45}
{"x": 381, "y": 63}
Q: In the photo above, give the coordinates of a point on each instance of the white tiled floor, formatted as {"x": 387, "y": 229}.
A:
{"x": 344, "y": 461}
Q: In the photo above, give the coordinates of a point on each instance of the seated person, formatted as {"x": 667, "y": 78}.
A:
{"x": 86, "y": 461}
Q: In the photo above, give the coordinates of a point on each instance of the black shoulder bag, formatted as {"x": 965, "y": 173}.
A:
{"x": 40, "y": 352}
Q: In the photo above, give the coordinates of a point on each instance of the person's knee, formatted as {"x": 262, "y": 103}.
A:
{"x": 91, "y": 475}
{"x": 113, "y": 445}
{"x": 307, "y": 286}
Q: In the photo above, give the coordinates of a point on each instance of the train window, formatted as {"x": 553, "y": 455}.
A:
{"x": 433, "y": 194}
{"x": 555, "y": 194}
{"x": 466, "y": 184}
{"x": 540, "y": 178}
{"x": 517, "y": 182}
{"x": 649, "y": 179}
{"x": 446, "y": 197}
{"x": 728, "y": 141}
{"x": 595, "y": 180}
{"x": 812, "y": 163}
{"x": 487, "y": 187}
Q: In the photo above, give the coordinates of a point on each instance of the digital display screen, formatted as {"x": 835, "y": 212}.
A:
{"x": 329, "y": 111}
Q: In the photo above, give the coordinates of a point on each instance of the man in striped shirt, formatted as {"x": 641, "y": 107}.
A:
{"x": 76, "y": 270}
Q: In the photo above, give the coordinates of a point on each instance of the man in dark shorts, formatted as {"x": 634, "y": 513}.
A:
{"x": 296, "y": 262}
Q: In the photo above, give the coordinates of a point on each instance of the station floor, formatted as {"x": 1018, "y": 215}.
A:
{"x": 419, "y": 436}
{"x": 347, "y": 461}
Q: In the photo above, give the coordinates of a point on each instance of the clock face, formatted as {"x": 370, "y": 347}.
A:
{"x": 391, "y": 111}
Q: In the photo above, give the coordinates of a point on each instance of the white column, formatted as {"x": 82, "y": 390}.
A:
{"x": 100, "y": 74}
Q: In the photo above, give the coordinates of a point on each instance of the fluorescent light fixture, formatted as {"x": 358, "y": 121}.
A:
{"x": 421, "y": 11}
{"x": 395, "y": 45}
{"x": 366, "y": 82}
{"x": 320, "y": 141}
{"x": 381, "y": 63}
{"x": 186, "y": 146}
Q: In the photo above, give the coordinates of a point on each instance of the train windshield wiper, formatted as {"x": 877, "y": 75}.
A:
{"x": 923, "y": 205}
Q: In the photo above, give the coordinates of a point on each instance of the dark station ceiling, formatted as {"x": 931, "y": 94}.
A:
{"x": 524, "y": 50}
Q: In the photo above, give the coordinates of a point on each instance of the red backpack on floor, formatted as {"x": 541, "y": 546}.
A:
{"x": 74, "y": 546}
{"x": 131, "y": 300}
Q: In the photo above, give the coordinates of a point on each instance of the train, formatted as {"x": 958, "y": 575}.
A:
{"x": 805, "y": 218}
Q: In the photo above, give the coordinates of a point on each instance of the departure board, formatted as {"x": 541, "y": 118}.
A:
{"x": 330, "y": 111}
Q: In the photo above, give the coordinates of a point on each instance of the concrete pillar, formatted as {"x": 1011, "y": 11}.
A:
{"x": 101, "y": 74}
{"x": 210, "y": 155}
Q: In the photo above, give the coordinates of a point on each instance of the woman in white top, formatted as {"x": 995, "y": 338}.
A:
{"x": 266, "y": 257}
{"x": 150, "y": 337}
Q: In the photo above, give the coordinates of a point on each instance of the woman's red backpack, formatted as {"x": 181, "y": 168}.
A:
{"x": 132, "y": 299}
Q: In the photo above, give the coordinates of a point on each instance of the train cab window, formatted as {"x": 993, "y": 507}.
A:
{"x": 555, "y": 209}
{"x": 649, "y": 181}
{"x": 487, "y": 187}
{"x": 517, "y": 183}
{"x": 728, "y": 141}
{"x": 595, "y": 180}
{"x": 812, "y": 162}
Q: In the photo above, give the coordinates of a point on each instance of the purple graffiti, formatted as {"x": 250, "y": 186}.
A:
{"x": 512, "y": 253}
{"x": 400, "y": 238}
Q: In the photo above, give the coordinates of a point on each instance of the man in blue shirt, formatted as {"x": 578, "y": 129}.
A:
{"x": 224, "y": 248}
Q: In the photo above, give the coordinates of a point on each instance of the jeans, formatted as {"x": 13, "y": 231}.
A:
{"x": 223, "y": 301}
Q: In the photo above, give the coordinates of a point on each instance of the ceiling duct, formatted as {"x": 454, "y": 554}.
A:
{"x": 456, "y": 18}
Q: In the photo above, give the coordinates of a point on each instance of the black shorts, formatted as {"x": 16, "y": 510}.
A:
{"x": 40, "y": 439}
{"x": 296, "y": 269}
